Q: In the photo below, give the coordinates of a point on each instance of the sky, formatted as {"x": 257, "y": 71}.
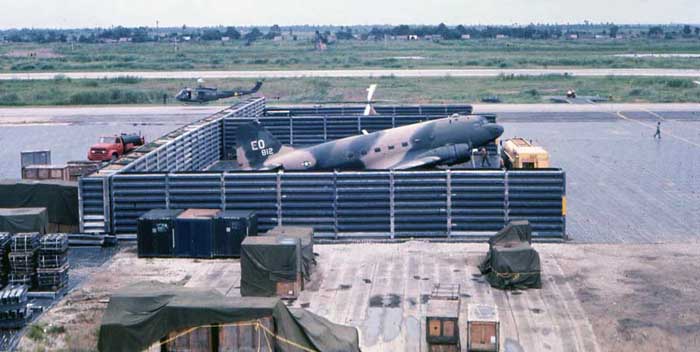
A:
{"x": 172, "y": 13}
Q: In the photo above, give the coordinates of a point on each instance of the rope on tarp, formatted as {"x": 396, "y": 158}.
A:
{"x": 256, "y": 324}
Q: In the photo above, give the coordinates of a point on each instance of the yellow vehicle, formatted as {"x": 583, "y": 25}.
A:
{"x": 521, "y": 154}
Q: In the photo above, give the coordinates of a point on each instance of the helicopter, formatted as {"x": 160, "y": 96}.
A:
{"x": 203, "y": 94}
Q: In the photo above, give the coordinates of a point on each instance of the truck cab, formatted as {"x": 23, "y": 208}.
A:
{"x": 113, "y": 147}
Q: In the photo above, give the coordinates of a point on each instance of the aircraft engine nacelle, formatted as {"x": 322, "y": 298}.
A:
{"x": 453, "y": 154}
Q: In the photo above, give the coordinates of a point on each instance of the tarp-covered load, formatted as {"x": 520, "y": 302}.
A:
{"x": 143, "y": 314}
{"x": 511, "y": 262}
{"x": 16, "y": 220}
{"x": 267, "y": 261}
{"x": 60, "y": 198}
{"x": 306, "y": 235}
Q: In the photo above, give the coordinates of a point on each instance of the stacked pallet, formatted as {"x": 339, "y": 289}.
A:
{"x": 52, "y": 269}
{"x": 23, "y": 251}
{"x": 13, "y": 307}
{"x": 5, "y": 238}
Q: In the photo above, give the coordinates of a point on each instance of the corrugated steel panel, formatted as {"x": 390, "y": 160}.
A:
{"x": 254, "y": 191}
{"x": 478, "y": 201}
{"x": 420, "y": 203}
{"x": 198, "y": 190}
{"x": 135, "y": 194}
{"x": 537, "y": 196}
{"x": 308, "y": 199}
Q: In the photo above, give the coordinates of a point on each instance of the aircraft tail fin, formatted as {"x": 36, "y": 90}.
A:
{"x": 257, "y": 86}
{"x": 254, "y": 145}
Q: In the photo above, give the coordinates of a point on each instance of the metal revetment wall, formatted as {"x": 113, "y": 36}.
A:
{"x": 381, "y": 204}
{"x": 191, "y": 147}
{"x": 308, "y": 130}
{"x": 197, "y": 147}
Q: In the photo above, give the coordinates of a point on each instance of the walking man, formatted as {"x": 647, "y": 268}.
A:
{"x": 657, "y": 135}
{"x": 484, "y": 157}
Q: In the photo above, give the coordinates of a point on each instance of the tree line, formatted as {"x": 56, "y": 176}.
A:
{"x": 440, "y": 31}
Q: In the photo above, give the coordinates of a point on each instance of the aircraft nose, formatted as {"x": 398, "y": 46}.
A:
{"x": 494, "y": 129}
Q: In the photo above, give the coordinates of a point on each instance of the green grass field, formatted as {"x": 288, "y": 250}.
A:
{"x": 131, "y": 90}
{"x": 269, "y": 55}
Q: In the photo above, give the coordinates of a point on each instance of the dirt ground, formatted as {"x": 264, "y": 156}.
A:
{"x": 595, "y": 297}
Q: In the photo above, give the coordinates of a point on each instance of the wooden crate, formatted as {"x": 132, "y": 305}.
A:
{"x": 45, "y": 172}
{"x": 289, "y": 289}
{"x": 443, "y": 348}
{"x": 483, "y": 328}
{"x": 245, "y": 336}
{"x": 197, "y": 340}
{"x": 442, "y": 322}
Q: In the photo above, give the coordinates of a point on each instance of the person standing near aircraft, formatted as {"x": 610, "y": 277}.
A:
{"x": 484, "y": 157}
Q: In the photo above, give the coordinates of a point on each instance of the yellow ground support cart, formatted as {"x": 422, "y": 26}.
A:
{"x": 519, "y": 153}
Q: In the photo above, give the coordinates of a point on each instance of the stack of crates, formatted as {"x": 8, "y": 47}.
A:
{"x": 5, "y": 238}
{"x": 52, "y": 265}
{"x": 13, "y": 307}
{"x": 23, "y": 251}
{"x": 442, "y": 319}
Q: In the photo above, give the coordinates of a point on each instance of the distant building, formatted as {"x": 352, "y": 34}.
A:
{"x": 278, "y": 38}
{"x": 600, "y": 36}
{"x": 573, "y": 36}
{"x": 466, "y": 36}
{"x": 124, "y": 39}
{"x": 186, "y": 38}
{"x": 501, "y": 36}
{"x": 225, "y": 39}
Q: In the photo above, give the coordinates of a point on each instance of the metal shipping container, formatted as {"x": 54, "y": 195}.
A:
{"x": 230, "y": 229}
{"x": 156, "y": 233}
{"x": 194, "y": 233}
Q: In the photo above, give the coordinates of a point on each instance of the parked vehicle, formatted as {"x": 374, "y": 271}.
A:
{"x": 113, "y": 147}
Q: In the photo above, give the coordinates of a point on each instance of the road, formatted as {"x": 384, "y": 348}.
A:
{"x": 583, "y": 72}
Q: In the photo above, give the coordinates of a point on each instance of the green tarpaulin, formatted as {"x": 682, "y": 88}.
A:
{"x": 16, "y": 220}
{"x": 306, "y": 235}
{"x": 140, "y": 315}
{"x": 511, "y": 262}
{"x": 266, "y": 260}
{"x": 60, "y": 198}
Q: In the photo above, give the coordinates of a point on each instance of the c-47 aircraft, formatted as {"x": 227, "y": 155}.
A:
{"x": 203, "y": 94}
{"x": 445, "y": 141}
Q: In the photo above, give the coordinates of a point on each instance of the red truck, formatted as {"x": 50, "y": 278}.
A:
{"x": 113, "y": 147}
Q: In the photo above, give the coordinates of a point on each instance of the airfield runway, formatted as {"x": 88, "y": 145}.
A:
{"x": 622, "y": 185}
{"x": 584, "y": 72}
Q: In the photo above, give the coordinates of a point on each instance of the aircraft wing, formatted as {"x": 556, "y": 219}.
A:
{"x": 420, "y": 162}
